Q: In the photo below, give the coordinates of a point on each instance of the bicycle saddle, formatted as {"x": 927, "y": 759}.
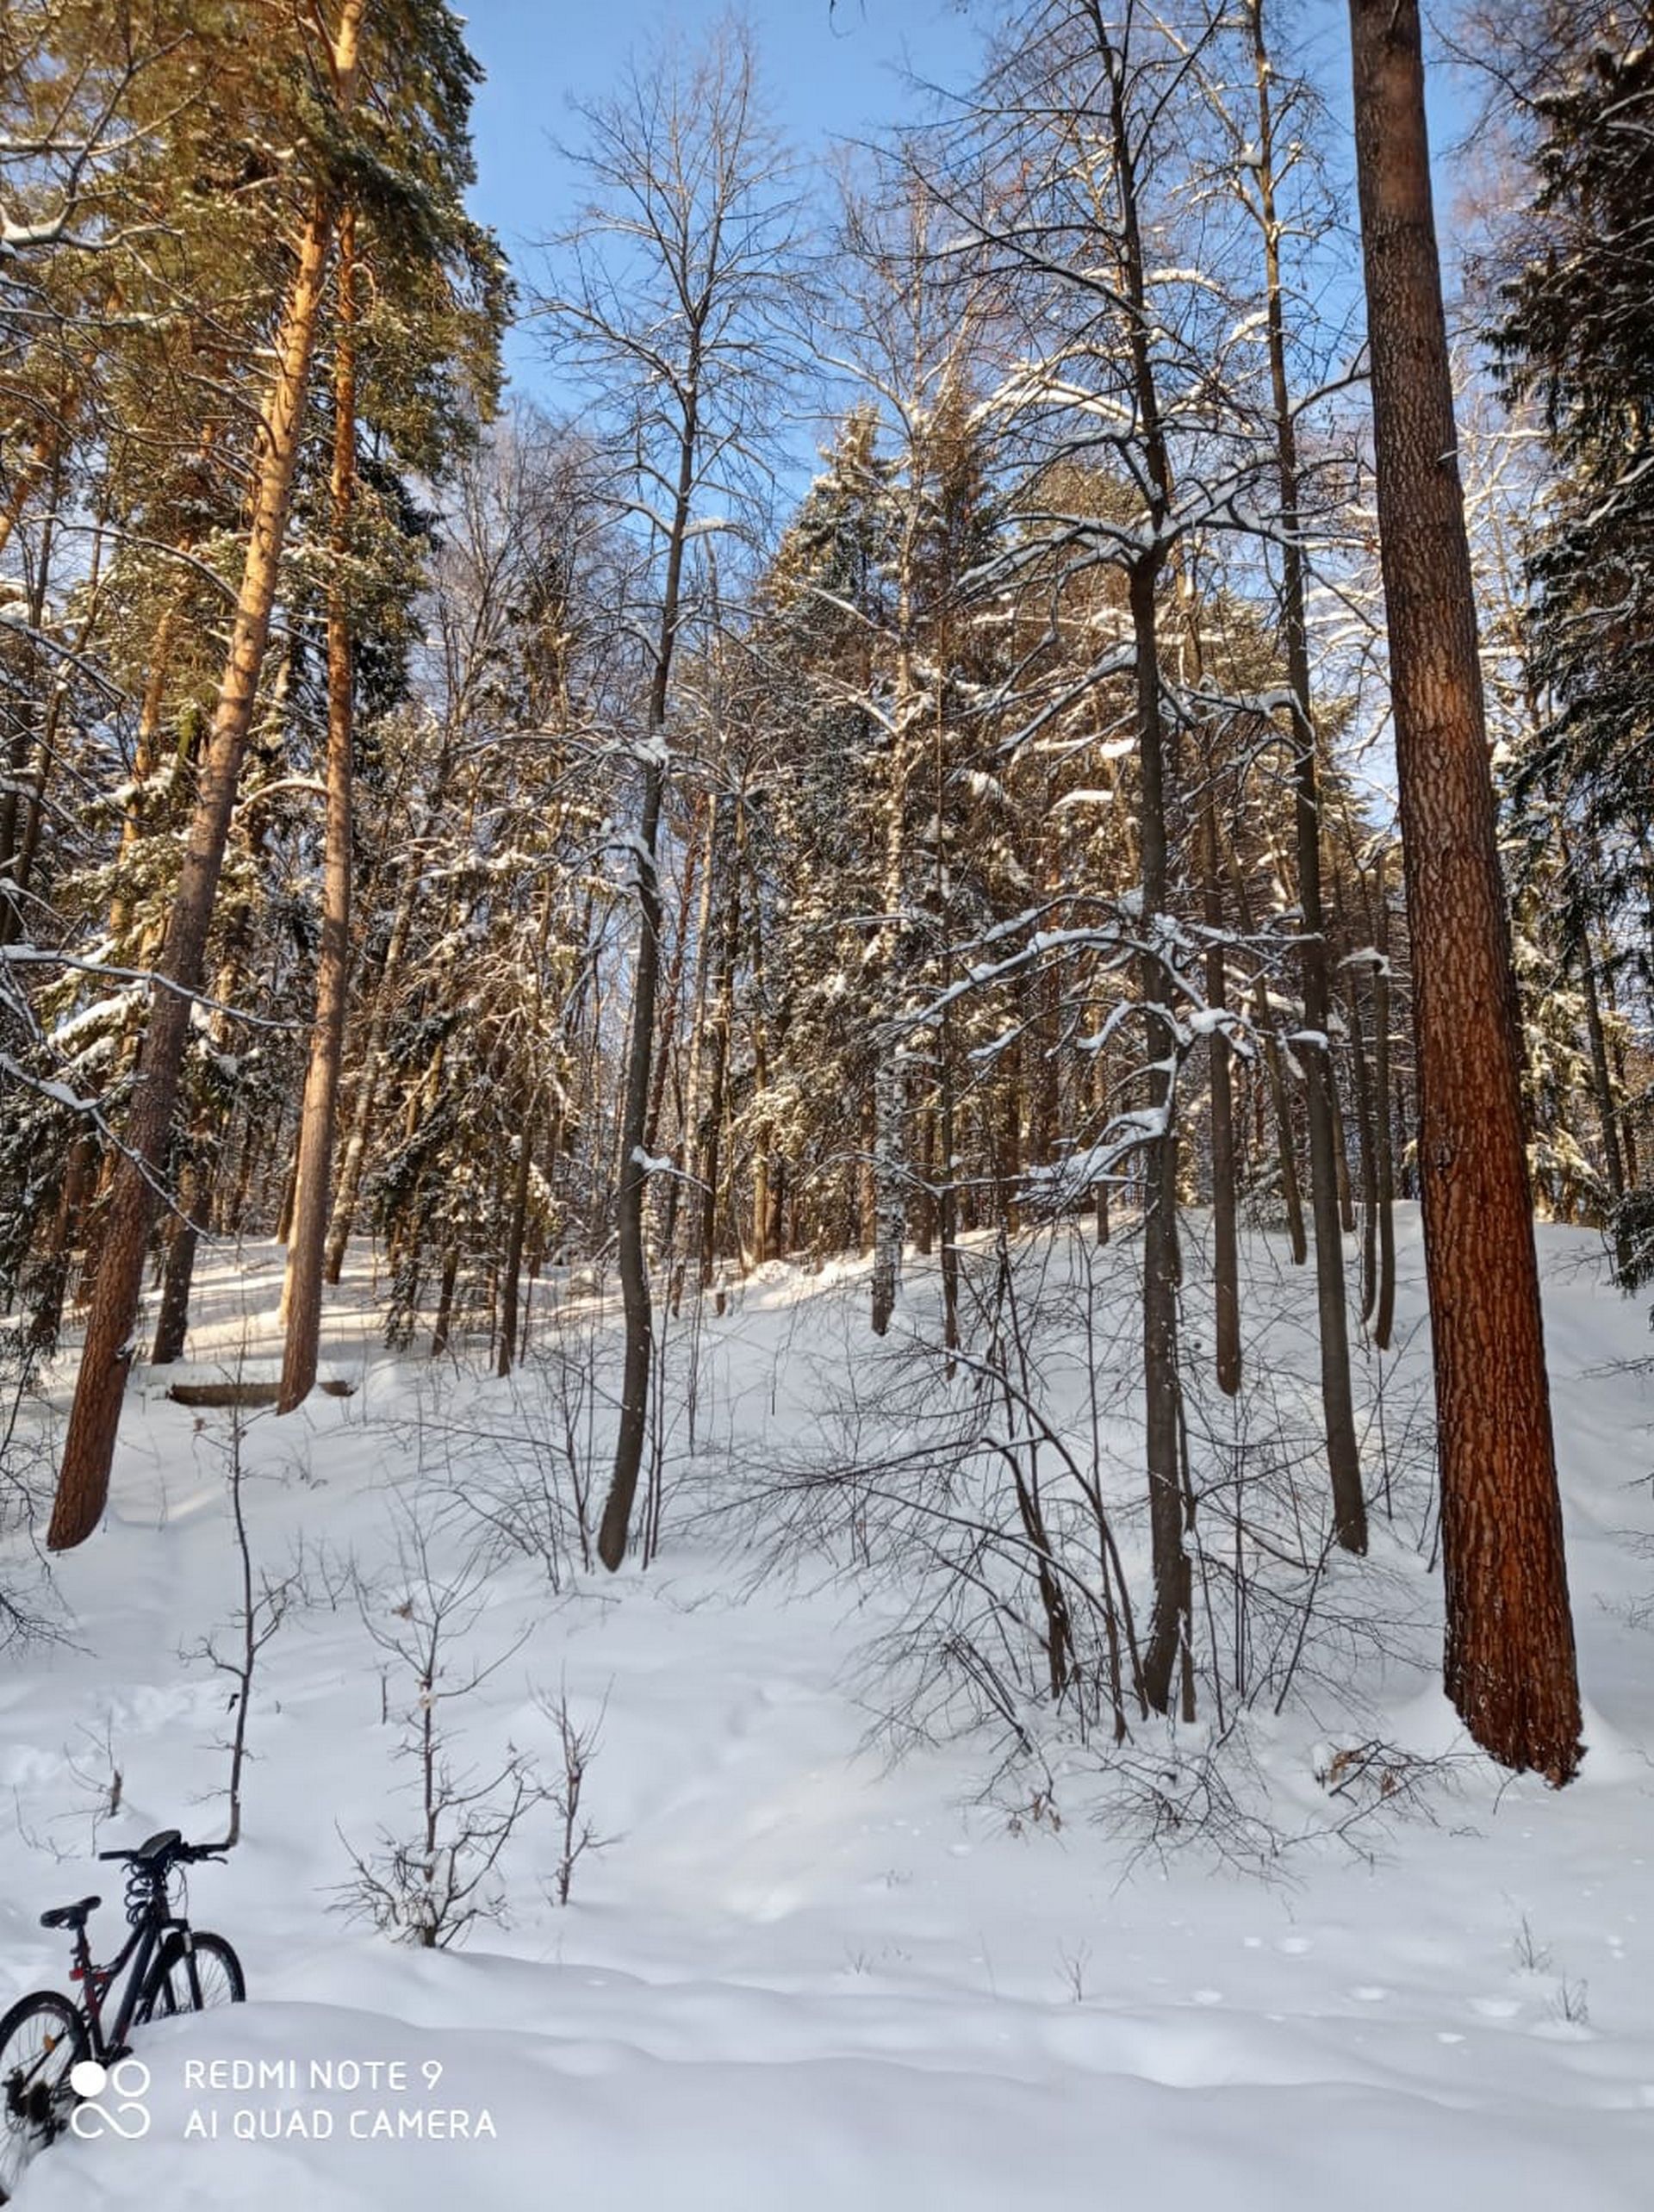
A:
{"x": 70, "y": 1916}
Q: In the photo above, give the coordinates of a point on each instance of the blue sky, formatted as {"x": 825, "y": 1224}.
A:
{"x": 842, "y": 73}
{"x": 829, "y": 74}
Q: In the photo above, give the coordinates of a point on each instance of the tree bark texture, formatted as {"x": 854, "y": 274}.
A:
{"x": 306, "y": 1251}
{"x": 1509, "y": 1661}
{"x": 1163, "y": 1414}
{"x": 89, "y": 1443}
{"x": 172, "y": 1318}
{"x": 631, "y": 1256}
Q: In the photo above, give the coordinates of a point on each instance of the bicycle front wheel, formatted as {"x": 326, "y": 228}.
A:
{"x": 40, "y": 2039}
{"x": 192, "y": 1978}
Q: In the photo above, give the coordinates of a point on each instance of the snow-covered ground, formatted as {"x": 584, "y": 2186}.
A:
{"x": 800, "y": 1971}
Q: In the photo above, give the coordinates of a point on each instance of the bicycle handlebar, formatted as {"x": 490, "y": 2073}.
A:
{"x": 192, "y": 1853}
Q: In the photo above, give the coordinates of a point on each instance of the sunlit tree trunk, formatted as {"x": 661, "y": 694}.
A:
{"x": 306, "y": 1245}
{"x": 1509, "y": 1661}
{"x": 89, "y": 1443}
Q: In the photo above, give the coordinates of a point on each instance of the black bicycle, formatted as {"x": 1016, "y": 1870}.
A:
{"x": 169, "y": 1966}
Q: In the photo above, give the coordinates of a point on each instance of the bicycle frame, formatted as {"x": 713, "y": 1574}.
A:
{"x": 96, "y": 1981}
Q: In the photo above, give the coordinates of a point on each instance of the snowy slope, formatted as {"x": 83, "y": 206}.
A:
{"x": 798, "y": 1970}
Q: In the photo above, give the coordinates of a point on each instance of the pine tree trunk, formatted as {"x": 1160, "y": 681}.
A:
{"x": 232, "y": 1214}
{"x": 306, "y": 1254}
{"x": 52, "y": 1283}
{"x": 1509, "y": 1665}
{"x": 88, "y": 1445}
{"x": 178, "y": 1279}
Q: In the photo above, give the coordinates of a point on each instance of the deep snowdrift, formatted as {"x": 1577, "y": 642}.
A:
{"x": 799, "y": 1970}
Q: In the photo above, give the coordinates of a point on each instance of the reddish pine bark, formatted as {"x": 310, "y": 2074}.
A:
{"x": 1509, "y": 1661}
{"x": 307, "y": 1248}
{"x": 89, "y": 1443}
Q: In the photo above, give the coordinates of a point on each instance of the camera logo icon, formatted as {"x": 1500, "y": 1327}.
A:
{"x": 126, "y": 2080}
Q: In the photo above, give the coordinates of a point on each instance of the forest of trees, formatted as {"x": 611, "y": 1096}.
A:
{"x": 1180, "y": 767}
